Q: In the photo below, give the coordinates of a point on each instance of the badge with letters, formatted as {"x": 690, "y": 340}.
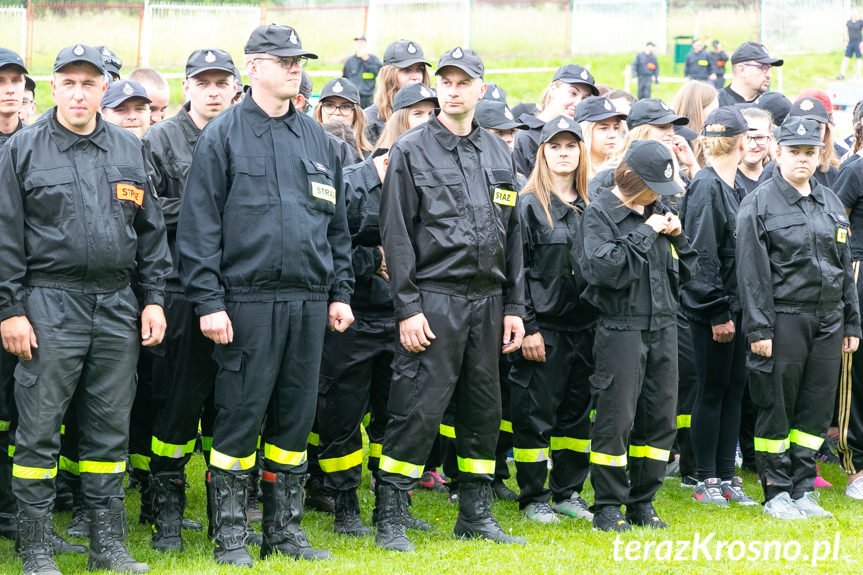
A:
{"x": 130, "y": 193}
{"x": 504, "y": 197}
{"x": 842, "y": 235}
{"x": 324, "y": 192}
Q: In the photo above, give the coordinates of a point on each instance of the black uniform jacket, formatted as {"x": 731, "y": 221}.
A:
{"x": 793, "y": 260}
{"x": 849, "y": 189}
{"x": 634, "y": 274}
{"x": 362, "y": 73}
{"x": 449, "y": 221}
{"x": 4, "y": 137}
{"x": 710, "y": 222}
{"x": 645, "y": 67}
{"x": 363, "y": 189}
{"x": 263, "y": 213}
{"x": 526, "y": 144}
{"x": 552, "y": 269}
{"x": 77, "y": 213}
{"x": 374, "y": 125}
{"x": 698, "y": 66}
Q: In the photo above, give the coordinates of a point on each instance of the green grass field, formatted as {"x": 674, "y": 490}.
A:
{"x": 570, "y": 547}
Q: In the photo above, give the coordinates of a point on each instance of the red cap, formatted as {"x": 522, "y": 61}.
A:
{"x": 820, "y": 95}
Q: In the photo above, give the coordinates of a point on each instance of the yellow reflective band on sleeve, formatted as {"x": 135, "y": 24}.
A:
{"x": 367, "y": 419}
{"x": 282, "y": 456}
{"x": 368, "y": 76}
{"x": 172, "y": 450}
{"x": 10, "y": 451}
{"x": 69, "y": 466}
{"x": 259, "y": 443}
{"x": 684, "y": 421}
{"x": 571, "y": 444}
{"x": 139, "y": 461}
{"x": 447, "y": 431}
{"x": 478, "y": 466}
{"x": 4, "y": 425}
{"x": 649, "y": 452}
{"x": 772, "y": 445}
{"x": 806, "y": 440}
{"x": 22, "y": 472}
{"x": 314, "y": 439}
{"x": 391, "y": 465}
{"x": 342, "y": 463}
{"x": 375, "y": 450}
{"x": 521, "y": 455}
{"x": 206, "y": 443}
{"x": 62, "y": 430}
{"x": 505, "y": 426}
{"x": 103, "y": 467}
{"x": 228, "y": 463}
{"x": 608, "y": 460}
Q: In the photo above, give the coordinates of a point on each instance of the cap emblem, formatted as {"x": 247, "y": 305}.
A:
{"x": 105, "y": 51}
{"x": 801, "y": 130}
{"x": 411, "y": 48}
{"x": 665, "y": 107}
{"x": 337, "y": 88}
{"x": 507, "y": 113}
{"x": 806, "y": 105}
{"x": 669, "y": 170}
{"x": 78, "y": 50}
{"x": 496, "y": 94}
{"x": 293, "y": 38}
{"x": 424, "y": 92}
{"x": 563, "y": 124}
{"x": 584, "y": 74}
{"x": 210, "y": 57}
{"x": 457, "y": 53}
{"x": 607, "y": 105}
{"x": 127, "y": 89}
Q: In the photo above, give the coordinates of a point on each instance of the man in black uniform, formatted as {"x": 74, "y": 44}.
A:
{"x": 264, "y": 254}
{"x": 697, "y": 66}
{"x": 646, "y": 68}
{"x": 362, "y": 69}
{"x": 183, "y": 372}
{"x": 718, "y": 59}
{"x": 451, "y": 234}
{"x": 751, "y": 67}
{"x": 77, "y": 218}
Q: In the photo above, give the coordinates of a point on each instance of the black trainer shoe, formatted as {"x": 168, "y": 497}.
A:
{"x": 502, "y": 492}
{"x": 609, "y": 518}
{"x": 644, "y": 515}
{"x": 709, "y": 491}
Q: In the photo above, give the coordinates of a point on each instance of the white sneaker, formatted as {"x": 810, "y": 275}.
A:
{"x": 808, "y": 505}
{"x": 781, "y": 507}
{"x": 540, "y": 513}
{"x": 574, "y": 507}
{"x": 855, "y": 489}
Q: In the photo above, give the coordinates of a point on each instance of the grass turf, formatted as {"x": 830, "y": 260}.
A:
{"x": 569, "y": 547}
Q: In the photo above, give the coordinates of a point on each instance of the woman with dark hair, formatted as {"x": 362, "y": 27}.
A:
{"x": 340, "y": 100}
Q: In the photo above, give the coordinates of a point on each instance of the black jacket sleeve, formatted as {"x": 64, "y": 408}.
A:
{"x": 614, "y": 261}
{"x": 524, "y": 152}
{"x": 754, "y": 276}
{"x": 13, "y": 260}
{"x": 530, "y": 324}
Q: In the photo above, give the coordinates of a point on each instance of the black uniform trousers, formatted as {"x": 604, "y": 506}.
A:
{"x": 270, "y": 369}
{"x": 687, "y": 387}
{"x": 634, "y": 392}
{"x": 551, "y": 410}
{"x": 356, "y": 369}
{"x": 462, "y": 362}
{"x": 88, "y": 349}
{"x": 850, "y": 410}
{"x": 183, "y": 375}
{"x": 8, "y": 421}
{"x": 645, "y": 85}
{"x": 141, "y": 419}
{"x": 794, "y": 391}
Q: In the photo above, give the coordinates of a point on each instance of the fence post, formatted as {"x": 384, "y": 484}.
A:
{"x": 263, "y": 13}
{"x": 371, "y": 29}
{"x": 468, "y": 7}
{"x": 23, "y": 46}
{"x": 572, "y": 21}
{"x": 29, "y": 51}
{"x": 146, "y": 34}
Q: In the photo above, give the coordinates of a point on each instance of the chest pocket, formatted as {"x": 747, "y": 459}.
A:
{"x": 50, "y": 198}
{"x": 322, "y": 189}
{"x": 441, "y": 194}
{"x": 249, "y": 189}
{"x": 789, "y": 237}
{"x": 551, "y": 252}
{"x": 841, "y": 225}
{"x": 501, "y": 187}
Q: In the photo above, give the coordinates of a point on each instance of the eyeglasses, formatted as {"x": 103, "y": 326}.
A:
{"x": 331, "y": 108}
{"x": 759, "y": 140}
{"x": 763, "y": 67}
{"x": 287, "y": 62}
{"x": 26, "y": 102}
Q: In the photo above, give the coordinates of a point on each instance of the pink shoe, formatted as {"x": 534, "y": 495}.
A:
{"x": 820, "y": 482}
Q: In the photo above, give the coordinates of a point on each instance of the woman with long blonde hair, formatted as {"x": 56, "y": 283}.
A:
{"x": 695, "y": 100}
{"x": 600, "y": 123}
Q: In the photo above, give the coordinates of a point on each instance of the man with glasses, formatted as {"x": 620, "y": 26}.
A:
{"x": 751, "y": 67}
{"x": 758, "y": 142}
{"x": 28, "y": 103}
{"x": 264, "y": 256}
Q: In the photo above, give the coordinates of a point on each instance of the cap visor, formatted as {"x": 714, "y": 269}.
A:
{"x": 292, "y": 52}
{"x": 117, "y": 101}
{"x": 601, "y": 117}
{"x": 594, "y": 91}
{"x": 99, "y": 67}
{"x": 664, "y": 188}
{"x": 801, "y": 142}
{"x": 16, "y": 64}
{"x": 670, "y": 119}
{"x": 410, "y": 62}
{"x": 197, "y": 71}
{"x": 509, "y": 126}
{"x": 465, "y": 69}
{"x": 817, "y": 118}
{"x": 771, "y": 61}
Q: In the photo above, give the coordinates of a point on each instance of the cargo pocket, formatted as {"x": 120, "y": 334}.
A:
{"x": 404, "y": 388}
{"x": 601, "y": 381}
{"x": 324, "y": 384}
{"x": 230, "y": 360}
{"x": 24, "y": 377}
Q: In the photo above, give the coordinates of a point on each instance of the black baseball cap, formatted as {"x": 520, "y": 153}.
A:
{"x": 494, "y": 93}
{"x": 209, "y": 59}
{"x": 523, "y": 108}
{"x": 239, "y": 78}
{"x": 413, "y": 94}
{"x": 496, "y": 116}
{"x": 575, "y": 74}
{"x": 596, "y": 109}
{"x": 754, "y": 52}
{"x": 464, "y": 59}
{"x": 726, "y": 121}
{"x": 811, "y": 109}
{"x": 796, "y": 131}
{"x": 306, "y": 86}
{"x": 122, "y": 90}
{"x": 277, "y": 40}
{"x": 79, "y": 53}
{"x": 655, "y": 112}
{"x": 110, "y": 60}
{"x": 404, "y": 53}
{"x": 774, "y": 102}
{"x": 341, "y": 87}
{"x": 10, "y": 58}
{"x": 652, "y": 161}
{"x": 560, "y": 124}
{"x": 29, "y": 84}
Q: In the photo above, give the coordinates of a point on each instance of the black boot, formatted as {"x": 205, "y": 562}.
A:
{"x": 34, "y": 542}
{"x": 168, "y": 495}
{"x": 62, "y": 546}
{"x": 391, "y": 508}
{"x": 138, "y": 479}
{"x": 253, "y": 507}
{"x": 412, "y": 522}
{"x": 78, "y": 525}
{"x": 502, "y": 492}
{"x": 108, "y": 541}
{"x": 144, "y": 481}
{"x": 228, "y": 518}
{"x": 283, "y": 512}
{"x": 474, "y": 514}
{"x": 348, "y": 520}
{"x": 317, "y": 498}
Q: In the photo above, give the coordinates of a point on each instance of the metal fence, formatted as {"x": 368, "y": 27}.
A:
{"x": 803, "y": 26}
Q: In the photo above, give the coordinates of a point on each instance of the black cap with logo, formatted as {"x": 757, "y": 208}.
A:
{"x": 209, "y": 59}
{"x": 10, "y": 58}
{"x": 495, "y": 115}
{"x": 726, "y": 121}
{"x": 276, "y": 40}
{"x": 79, "y": 53}
{"x": 404, "y": 53}
{"x": 652, "y": 161}
{"x": 754, "y": 52}
{"x": 122, "y": 90}
{"x": 412, "y": 94}
{"x": 596, "y": 109}
{"x": 111, "y": 62}
{"x": 655, "y": 112}
{"x": 494, "y": 93}
{"x": 811, "y": 109}
{"x": 464, "y": 59}
{"x": 796, "y": 131}
{"x": 774, "y": 102}
{"x": 560, "y": 124}
{"x": 575, "y": 74}
{"x": 341, "y": 87}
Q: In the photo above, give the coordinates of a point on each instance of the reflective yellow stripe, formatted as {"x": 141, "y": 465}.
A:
{"x": 314, "y": 439}
{"x": 684, "y": 421}
{"x": 172, "y": 450}
{"x": 258, "y": 447}
{"x": 102, "y": 466}
{"x": 342, "y": 463}
{"x": 391, "y": 465}
{"x": 375, "y": 450}
{"x": 62, "y": 430}
{"x": 4, "y": 425}
{"x": 10, "y": 451}
{"x": 139, "y": 461}
{"x": 22, "y": 472}
{"x": 649, "y": 452}
{"x": 772, "y": 445}
{"x": 367, "y": 419}
{"x": 593, "y": 415}
{"x": 228, "y": 463}
{"x": 608, "y": 460}
{"x": 69, "y": 466}
{"x": 570, "y": 443}
{"x": 283, "y": 456}
{"x": 806, "y": 440}
{"x": 530, "y": 455}
{"x": 206, "y": 443}
{"x": 447, "y": 430}
{"x": 505, "y": 426}
{"x": 478, "y": 466}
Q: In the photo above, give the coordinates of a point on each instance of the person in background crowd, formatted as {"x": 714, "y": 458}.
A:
{"x": 362, "y": 69}
{"x": 853, "y": 36}
{"x": 622, "y": 102}
{"x": 340, "y": 100}
{"x": 157, "y": 90}
{"x": 28, "y": 102}
{"x": 126, "y": 104}
{"x": 302, "y": 100}
{"x": 600, "y": 123}
{"x": 645, "y": 67}
{"x": 695, "y": 100}
{"x": 718, "y": 59}
{"x": 499, "y": 120}
{"x": 111, "y": 61}
{"x": 697, "y": 65}
{"x": 751, "y": 69}
{"x": 757, "y": 143}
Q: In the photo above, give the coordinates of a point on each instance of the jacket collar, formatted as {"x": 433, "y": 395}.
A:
{"x": 66, "y": 139}
{"x": 615, "y": 208}
{"x": 259, "y": 119}
{"x": 449, "y": 140}
{"x": 791, "y": 195}
{"x": 369, "y": 171}
{"x": 184, "y": 119}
